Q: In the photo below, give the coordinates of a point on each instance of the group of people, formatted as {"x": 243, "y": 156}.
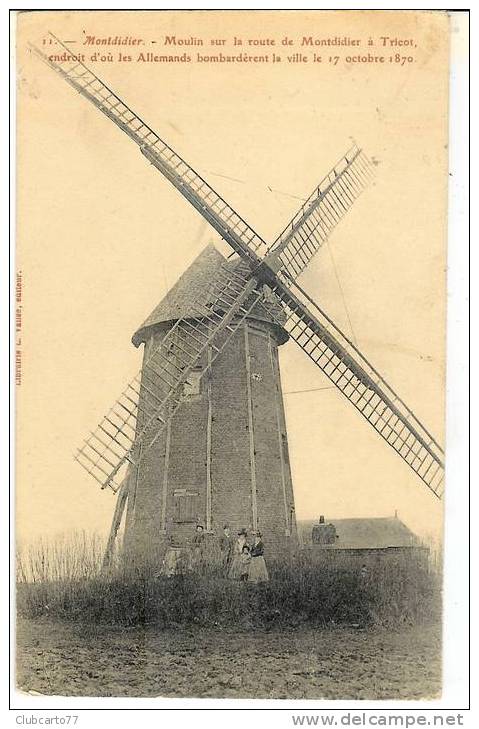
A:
{"x": 243, "y": 560}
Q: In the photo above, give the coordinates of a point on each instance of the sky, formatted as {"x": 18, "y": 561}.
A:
{"x": 102, "y": 237}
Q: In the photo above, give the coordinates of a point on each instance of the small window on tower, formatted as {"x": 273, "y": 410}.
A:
{"x": 185, "y": 507}
{"x": 192, "y": 386}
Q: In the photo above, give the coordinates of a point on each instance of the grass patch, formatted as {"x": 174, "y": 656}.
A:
{"x": 64, "y": 579}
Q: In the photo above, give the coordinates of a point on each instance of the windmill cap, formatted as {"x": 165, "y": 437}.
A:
{"x": 179, "y": 302}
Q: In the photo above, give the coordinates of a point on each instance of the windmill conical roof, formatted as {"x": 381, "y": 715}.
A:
{"x": 192, "y": 285}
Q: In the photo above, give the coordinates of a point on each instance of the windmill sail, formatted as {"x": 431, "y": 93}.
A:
{"x": 219, "y": 214}
{"x": 316, "y": 219}
{"x": 363, "y": 386}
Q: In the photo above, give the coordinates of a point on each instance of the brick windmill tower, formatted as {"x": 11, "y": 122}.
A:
{"x": 223, "y": 457}
{"x": 199, "y": 433}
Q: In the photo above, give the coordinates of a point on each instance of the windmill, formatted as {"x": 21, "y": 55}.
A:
{"x": 253, "y": 296}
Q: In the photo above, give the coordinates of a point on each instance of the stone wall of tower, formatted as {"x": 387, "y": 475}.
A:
{"x": 230, "y": 454}
{"x": 286, "y": 464}
{"x": 227, "y": 448}
{"x": 175, "y": 460}
{"x": 273, "y": 504}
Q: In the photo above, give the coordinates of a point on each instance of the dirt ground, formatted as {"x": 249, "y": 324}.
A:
{"x": 303, "y": 663}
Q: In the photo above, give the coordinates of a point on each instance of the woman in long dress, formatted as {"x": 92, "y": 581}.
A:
{"x": 257, "y": 568}
{"x": 235, "y": 569}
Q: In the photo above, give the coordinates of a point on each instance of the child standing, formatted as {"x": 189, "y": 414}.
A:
{"x": 234, "y": 572}
{"x": 245, "y": 563}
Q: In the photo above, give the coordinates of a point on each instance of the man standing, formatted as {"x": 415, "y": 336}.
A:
{"x": 226, "y": 547}
{"x": 198, "y": 549}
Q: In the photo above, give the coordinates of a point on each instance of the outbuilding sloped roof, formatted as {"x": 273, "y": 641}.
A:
{"x": 192, "y": 287}
{"x": 372, "y": 533}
